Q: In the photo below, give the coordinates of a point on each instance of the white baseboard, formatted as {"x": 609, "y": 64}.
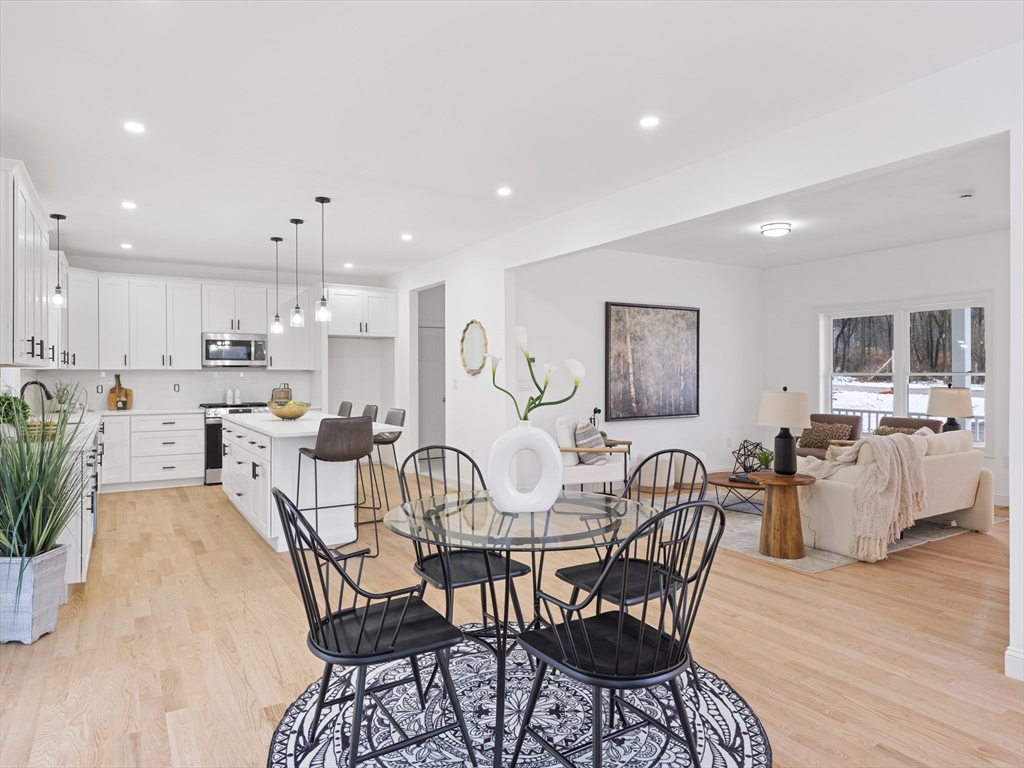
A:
{"x": 1002, "y": 499}
{"x": 149, "y": 485}
{"x": 1014, "y": 663}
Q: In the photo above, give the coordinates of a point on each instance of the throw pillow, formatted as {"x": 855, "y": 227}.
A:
{"x": 588, "y": 436}
{"x": 565, "y": 434}
{"x": 821, "y": 432}
{"x": 883, "y": 431}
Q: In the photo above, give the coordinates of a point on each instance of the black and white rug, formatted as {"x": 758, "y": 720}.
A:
{"x": 729, "y": 735}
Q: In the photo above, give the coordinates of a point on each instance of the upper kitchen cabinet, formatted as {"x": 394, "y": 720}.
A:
{"x": 114, "y": 321}
{"x": 148, "y": 324}
{"x": 230, "y": 309}
{"x": 83, "y": 316}
{"x": 291, "y": 350}
{"x": 24, "y": 271}
{"x": 362, "y": 312}
{"x": 184, "y": 326}
{"x": 57, "y": 274}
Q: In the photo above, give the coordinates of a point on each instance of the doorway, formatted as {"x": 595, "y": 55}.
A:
{"x": 431, "y": 366}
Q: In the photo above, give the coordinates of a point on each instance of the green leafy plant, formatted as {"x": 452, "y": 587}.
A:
{"x": 766, "y": 458}
{"x": 40, "y": 484}
{"x": 10, "y": 405}
{"x": 64, "y": 391}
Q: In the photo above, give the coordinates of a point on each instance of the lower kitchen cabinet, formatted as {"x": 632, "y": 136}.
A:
{"x": 153, "y": 448}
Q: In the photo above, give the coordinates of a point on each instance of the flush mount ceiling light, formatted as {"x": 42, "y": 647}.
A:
{"x": 776, "y": 229}
{"x": 649, "y": 122}
{"x": 57, "y": 299}
{"x": 323, "y": 309}
{"x": 133, "y": 127}
{"x": 407, "y": 236}
{"x": 126, "y": 246}
{"x": 128, "y": 205}
{"x": 298, "y": 316}
{"x": 275, "y": 326}
{"x": 504, "y": 191}
{"x": 348, "y": 266}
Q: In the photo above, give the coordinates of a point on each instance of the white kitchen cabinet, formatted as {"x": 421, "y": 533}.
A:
{"x": 360, "y": 312}
{"x": 114, "y": 322}
{"x": 83, "y": 320}
{"x": 147, "y": 300}
{"x": 116, "y": 466}
{"x": 230, "y": 309}
{"x": 58, "y": 274}
{"x": 291, "y": 350}
{"x": 184, "y": 326}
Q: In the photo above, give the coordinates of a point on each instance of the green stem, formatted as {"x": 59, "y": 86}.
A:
{"x": 494, "y": 381}
{"x": 534, "y": 376}
{"x": 555, "y": 402}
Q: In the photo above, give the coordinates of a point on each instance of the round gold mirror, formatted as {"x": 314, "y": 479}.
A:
{"x": 473, "y": 347}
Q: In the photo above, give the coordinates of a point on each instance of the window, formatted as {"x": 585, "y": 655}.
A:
{"x": 884, "y": 364}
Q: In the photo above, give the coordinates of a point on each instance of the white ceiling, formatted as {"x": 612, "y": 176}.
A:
{"x": 410, "y": 115}
{"x": 916, "y": 201}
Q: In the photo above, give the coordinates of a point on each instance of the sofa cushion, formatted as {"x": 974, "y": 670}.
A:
{"x": 820, "y": 433}
{"x": 588, "y": 436}
{"x": 867, "y": 454}
{"x": 950, "y": 442}
{"x": 565, "y": 435}
{"x": 882, "y": 431}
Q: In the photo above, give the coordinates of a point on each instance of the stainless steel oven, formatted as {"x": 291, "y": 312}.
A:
{"x": 215, "y": 412}
{"x": 239, "y": 350}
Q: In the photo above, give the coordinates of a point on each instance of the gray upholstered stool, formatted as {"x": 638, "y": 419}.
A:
{"x": 345, "y": 409}
{"x": 395, "y": 417}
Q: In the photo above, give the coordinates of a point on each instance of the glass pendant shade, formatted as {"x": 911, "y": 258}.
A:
{"x": 57, "y": 299}
{"x": 276, "y": 326}
{"x": 298, "y": 317}
{"x": 323, "y": 310}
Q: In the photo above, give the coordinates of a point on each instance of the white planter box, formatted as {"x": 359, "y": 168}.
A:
{"x": 34, "y": 614}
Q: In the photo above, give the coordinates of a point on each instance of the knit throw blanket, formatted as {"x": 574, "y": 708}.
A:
{"x": 887, "y": 498}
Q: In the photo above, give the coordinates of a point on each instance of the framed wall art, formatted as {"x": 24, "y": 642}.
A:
{"x": 652, "y": 361}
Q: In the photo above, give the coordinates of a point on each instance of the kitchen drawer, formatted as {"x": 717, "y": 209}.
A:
{"x": 168, "y": 468}
{"x": 256, "y": 444}
{"x": 173, "y": 423}
{"x": 171, "y": 443}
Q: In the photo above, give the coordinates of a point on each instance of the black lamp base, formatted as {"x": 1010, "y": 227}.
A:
{"x": 785, "y": 453}
{"x": 951, "y": 425}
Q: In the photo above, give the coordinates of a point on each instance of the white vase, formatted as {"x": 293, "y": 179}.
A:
{"x": 500, "y": 485}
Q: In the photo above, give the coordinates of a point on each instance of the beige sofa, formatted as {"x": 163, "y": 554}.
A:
{"x": 957, "y": 487}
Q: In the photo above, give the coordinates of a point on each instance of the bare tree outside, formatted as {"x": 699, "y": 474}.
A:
{"x": 652, "y": 361}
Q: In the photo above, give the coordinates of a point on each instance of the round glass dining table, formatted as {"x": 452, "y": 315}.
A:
{"x": 471, "y": 521}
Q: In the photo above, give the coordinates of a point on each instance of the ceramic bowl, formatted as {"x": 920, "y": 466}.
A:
{"x": 288, "y": 412}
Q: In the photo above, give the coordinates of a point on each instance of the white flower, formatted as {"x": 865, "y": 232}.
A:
{"x": 519, "y": 337}
{"x": 575, "y": 367}
{"x": 548, "y": 370}
{"x": 494, "y": 363}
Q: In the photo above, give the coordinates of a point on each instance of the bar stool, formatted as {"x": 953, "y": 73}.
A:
{"x": 339, "y": 440}
{"x": 369, "y": 411}
{"x": 345, "y": 409}
{"x": 395, "y": 417}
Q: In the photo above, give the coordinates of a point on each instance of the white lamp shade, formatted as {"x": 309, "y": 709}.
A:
{"x": 784, "y": 409}
{"x": 950, "y": 402}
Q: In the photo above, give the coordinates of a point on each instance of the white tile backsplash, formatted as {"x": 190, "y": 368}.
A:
{"x": 155, "y": 389}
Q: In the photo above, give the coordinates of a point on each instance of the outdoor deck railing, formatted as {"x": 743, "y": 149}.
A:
{"x": 870, "y": 419}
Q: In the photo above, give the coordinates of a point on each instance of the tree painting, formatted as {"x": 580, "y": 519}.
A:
{"x": 651, "y": 361}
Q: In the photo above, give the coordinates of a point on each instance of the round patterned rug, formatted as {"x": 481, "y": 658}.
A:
{"x": 728, "y": 733}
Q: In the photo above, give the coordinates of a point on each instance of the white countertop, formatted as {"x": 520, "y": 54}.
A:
{"x": 148, "y": 412}
{"x": 308, "y": 426}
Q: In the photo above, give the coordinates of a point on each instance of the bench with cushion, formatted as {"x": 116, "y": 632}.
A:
{"x": 829, "y": 418}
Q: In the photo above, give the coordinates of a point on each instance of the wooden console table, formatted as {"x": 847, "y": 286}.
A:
{"x": 782, "y": 533}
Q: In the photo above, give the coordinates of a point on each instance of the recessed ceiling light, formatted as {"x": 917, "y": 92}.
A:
{"x": 135, "y": 127}
{"x": 128, "y": 204}
{"x": 126, "y": 246}
{"x": 347, "y": 266}
{"x": 504, "y": 191}
{"x": 776, "y": 229}
{"x": 968, "y": 216}
{"x": 649, "y": 122}
{"x": 407, "y": 236}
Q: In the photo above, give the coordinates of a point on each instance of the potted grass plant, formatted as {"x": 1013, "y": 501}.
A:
{"x": 40, "y": 491}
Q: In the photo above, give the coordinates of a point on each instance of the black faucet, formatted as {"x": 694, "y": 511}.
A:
{"x": 28, "y": 384}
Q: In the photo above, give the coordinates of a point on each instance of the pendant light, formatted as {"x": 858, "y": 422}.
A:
{"x": 323, "y": 309}
{"x": 57, "y": 299}
{"x": 298, "y": 316}
{"x": 276, "y": 327}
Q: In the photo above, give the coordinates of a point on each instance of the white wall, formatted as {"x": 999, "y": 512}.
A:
{"x": 979, "y": 98}
{"x": 965, "y": 267}
{"x": 361, "y": 371}
{"x": 155, "y": 389}
{"x": 561, "y": 302}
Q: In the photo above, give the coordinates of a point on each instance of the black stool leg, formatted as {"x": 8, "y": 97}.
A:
{"x": 691, "y": 741}
{"x": 538, "y": 681}
{"x": 449, "y": 687}
{"x": 324, "y": 681}
{"x": 598, "y": 746}
{"x": 383, "y": 481}
{"x": 357, "y": 717}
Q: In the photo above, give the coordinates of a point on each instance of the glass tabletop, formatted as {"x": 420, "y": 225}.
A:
{"x": 470, "y": 521}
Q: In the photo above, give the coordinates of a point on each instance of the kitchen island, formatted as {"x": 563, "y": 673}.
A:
{"x": 261, "y": 452}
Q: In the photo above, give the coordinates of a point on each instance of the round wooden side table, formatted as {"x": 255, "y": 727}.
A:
{"x": 782, "y": 533}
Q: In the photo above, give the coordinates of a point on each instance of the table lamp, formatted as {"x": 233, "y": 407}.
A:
{"x": 952, "y": 402}
{"x": 786, "y": 410}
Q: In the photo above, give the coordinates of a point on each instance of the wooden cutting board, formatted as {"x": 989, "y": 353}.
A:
{"x": 119, "y": 393}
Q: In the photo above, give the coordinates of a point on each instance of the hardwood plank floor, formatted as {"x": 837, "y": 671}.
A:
{"x": 187, "y": 643}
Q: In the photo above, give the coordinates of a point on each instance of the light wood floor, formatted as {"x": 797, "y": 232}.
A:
{"x": 187, "y": 644}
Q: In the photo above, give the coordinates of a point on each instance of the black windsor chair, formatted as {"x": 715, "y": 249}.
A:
{"x": 441, "y": 469}
{"x": 618, "y": 650}
{"x": 351, "y": 626}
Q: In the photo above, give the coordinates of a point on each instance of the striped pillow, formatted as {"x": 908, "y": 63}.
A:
{"x": 587, "y": 436}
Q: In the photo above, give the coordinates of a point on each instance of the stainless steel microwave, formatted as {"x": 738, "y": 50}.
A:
{"x": 240, "y": 350}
